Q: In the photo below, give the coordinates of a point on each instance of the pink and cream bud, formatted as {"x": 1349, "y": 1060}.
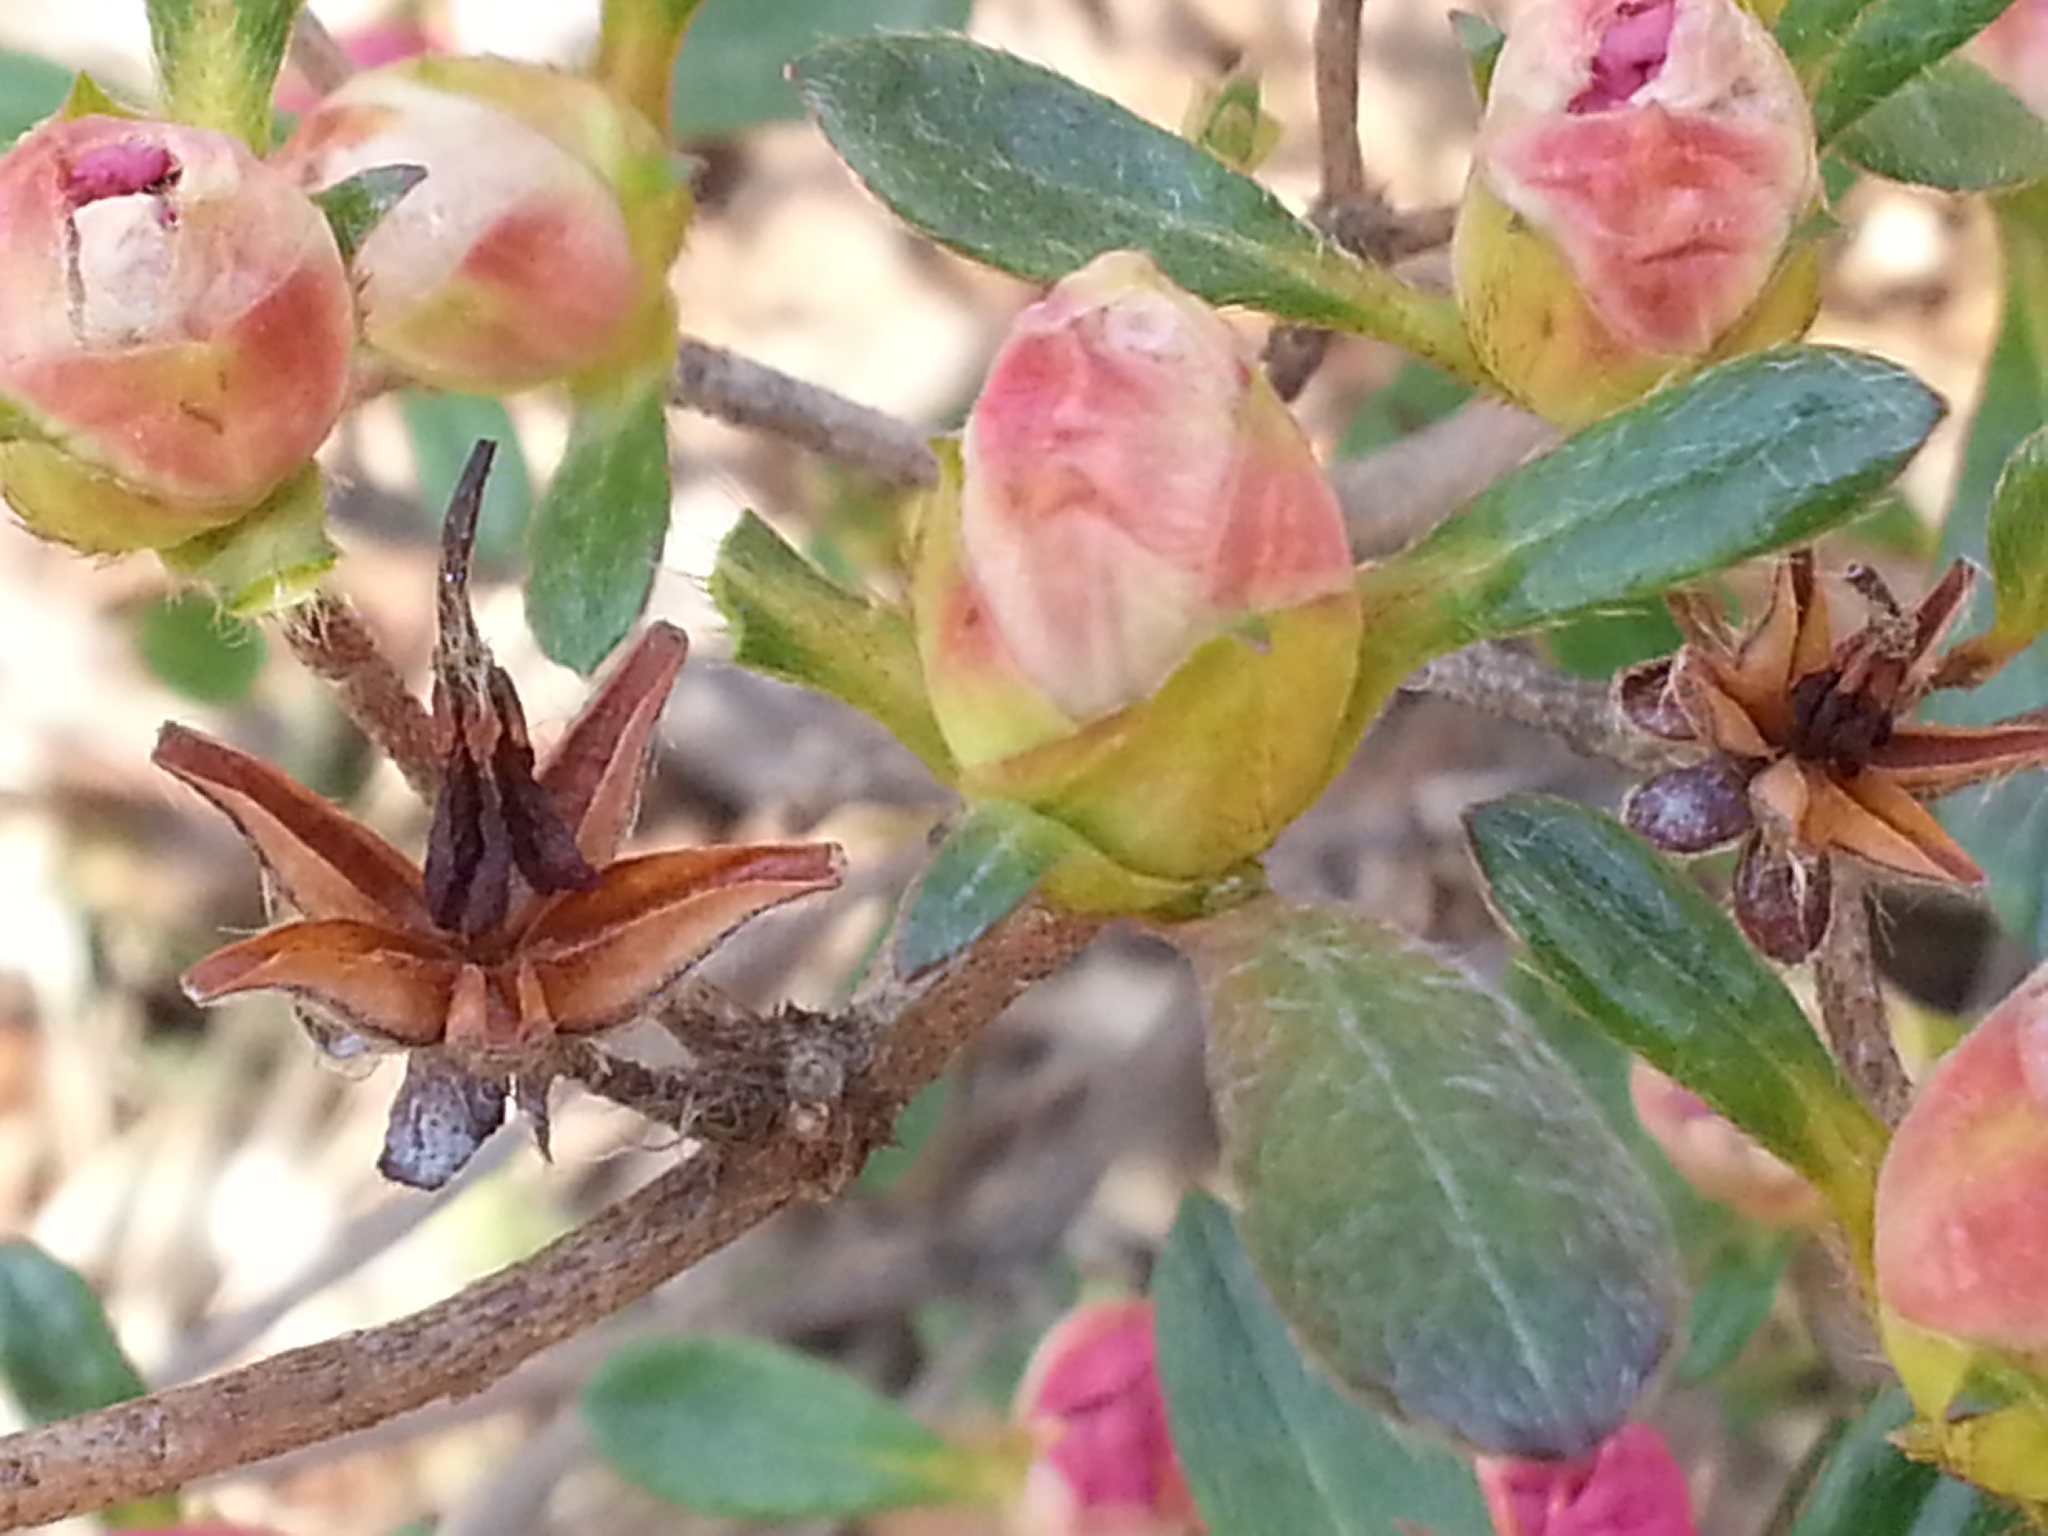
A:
{"x": 1636, "y": 190}
{"x": 1630, "y": 1486}
{"x": 175, "y": 336}
{"x": 538, "y": 245}
{"x": 1962, "y": 1200}
{"x": 1091, "y": 1397}
{"x": 1716, "y": 1158}
{"x": 1134, "y": 514}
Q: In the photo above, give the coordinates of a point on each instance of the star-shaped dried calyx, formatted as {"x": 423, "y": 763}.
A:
{"x": 524, "y": 924}
{"x": 1812, "y": 753}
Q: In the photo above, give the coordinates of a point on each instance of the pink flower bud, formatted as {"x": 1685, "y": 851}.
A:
{"x": 1962, "y": 1200}
{"x": 1628, "y": 1487}
{"x": 175, "y": 334}
{"x": 1091, "y": 1394}
{"x": 1135, "y": 598}
{"x": 1717, "y": 1159}
{"x": 539, "y": 243}
{"x": 1639, "y": 176}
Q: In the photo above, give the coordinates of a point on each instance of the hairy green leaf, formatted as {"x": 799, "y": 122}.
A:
{"x": 1954, "y": 128}
{"x": 2005, "y": 824}
{"x": 1370, "y": 1098}
{"x": 983, "y": 872}
{"x": 1021, "y": 168}
{"x": 1892, "y": 41}
{"x": 598, "y": 529}
{"x": 1267, "y": 1441}
{"x": 1647, "y": 956}
{"x": 790, "y": 621}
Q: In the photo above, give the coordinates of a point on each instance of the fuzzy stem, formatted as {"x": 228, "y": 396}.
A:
{"x": 1852, "y": 1008}
{"x": 329, "y": 637}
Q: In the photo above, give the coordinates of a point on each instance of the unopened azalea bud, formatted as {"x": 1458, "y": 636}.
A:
{"x": 1640, "y": 174}
{"x": 1630, "y": 1486}
{"x": 1961, "y": 1252}
{"x": 1962, "y": 1200}
{"x": 1091, "y": 1396}
{"x": 175, "y": 328}
{"x": 538, "y": 246}
{"x": 1716, "y": 1158}
{"x": 1133, "y": 592}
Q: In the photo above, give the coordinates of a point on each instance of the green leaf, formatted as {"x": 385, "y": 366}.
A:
{"x": 597, "y": 532}
{"x": 1416, "y": 396}
{"x": 1371, "y": 1099}
{"x": 1025, "y": 170}
{"x": 353, "y": 207}
{"x": 742, "y": 1427}
{"x": 790, "y": 622}
{"x": 1893, "y": 41}
{"x": 209, "y": 656}
{"x": 1733, "y": 1298}
{"x": 58, "y": 1352}
{"x": 1954, "y": 128}
{"x": 271, "y": 559}
{"x": 914, "y": 1127}
{"x": 1230, "y": 122}
{"x": 217, "y": 61}
{"x": 1481, "y": 42}
{"x": 30, "y": 90}
{"x": 2017, "y": 542}
{"x": 983, "y": 872}
{"x": 733, "y": 73}
{"x": 1867, "y": 1487}
{"x": 443, "y": 429}
{"x": 60, "y": 1358}
{"x": 2004, "y": 825}
{"x": 1603, "y": 642}
{"x": 1267, "y": 1441}
{"x": 1808, "y": 29}
{"x": 1745, "y": 458}
{"x": 1647, "y": 956}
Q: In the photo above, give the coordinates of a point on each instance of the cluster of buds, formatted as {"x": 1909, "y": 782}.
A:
{"x": 181, "y": 328}
{"x": 177, "y": 332}
{"x": 1635, "y": 196}
{"x": 1133, "y": 592}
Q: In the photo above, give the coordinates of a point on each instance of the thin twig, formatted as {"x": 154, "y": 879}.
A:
{"x": 750, "y": 394}
{"x": 1406, "y": 488}
{"x": 1510, "y": 685}
{"x": 1336, "y": 53}
{"x": 316, "y": 55}
{"x": 463, "y": 1344}
{"x": 1852, "y": 1008}
{"x": 330, "y": 638}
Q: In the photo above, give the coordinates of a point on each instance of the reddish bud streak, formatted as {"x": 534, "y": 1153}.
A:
{"x": 1631, "y": 51}
{"x": 119, "y": 170}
